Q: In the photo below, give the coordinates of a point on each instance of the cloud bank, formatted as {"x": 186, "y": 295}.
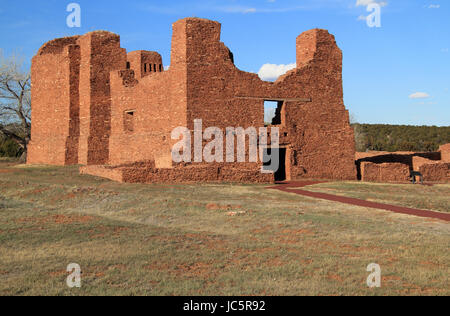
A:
{"x": 271, "y": 72}
{"x": 419, "y": 95}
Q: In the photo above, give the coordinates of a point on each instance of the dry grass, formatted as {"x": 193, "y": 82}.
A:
{"x": 205, "y": 240}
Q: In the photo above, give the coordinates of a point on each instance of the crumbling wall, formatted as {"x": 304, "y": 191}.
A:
{"x": 148, "y": 173}
{"x": 144, "y": 63}
{"x": 418, "y": 162}
{"x": 436, "y": 172}
{"x": 100, "y": 54}
{"x": 385, "y": 172}
{"x": 158, "y": 103}
{"x": 445, "y": 152}
{"x": 55, "y": 111}
{"x": 412, "y": 159}
{"x": 315, "y": 127}
{"x": 122, "y": 113}
{"x": 320, "y": 133}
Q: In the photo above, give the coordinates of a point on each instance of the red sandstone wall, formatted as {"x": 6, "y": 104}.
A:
{"x": 412, "y": 159}
{"x": 55, "y": 100}
{"x": 318, "y": 133}
{"x": 145, "y": 63}
{"x": 71, "y": 99}
{"x": 147, "y": 173}
{"x": 122, "y": 115}
{"x": 100, "y": 54}
{"x": 436, "y": 172}
{"x": 158, "y": 102}
{"x": 418, "y": 162}
{"x": 386, "y": 172}
{"x": 445, "y": 152}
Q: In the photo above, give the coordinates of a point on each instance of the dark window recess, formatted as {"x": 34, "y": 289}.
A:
{"x": 128, "y": 121}
{"x": 128, "y": 65}
{"x": 145, "y": 67}
{"x": 154, "y": 67}
{"x": 160, "y": 68}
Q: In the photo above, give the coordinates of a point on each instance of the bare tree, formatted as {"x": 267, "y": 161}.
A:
{"x": 15, "y": 101}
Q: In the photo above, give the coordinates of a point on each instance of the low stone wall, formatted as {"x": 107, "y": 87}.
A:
{"x": 420, "y": 161}
{"x": 385, "y": 172}
{"x": 436, "y": 172}
{"x": 190, "y": 174}
{"x": 445, "y": 152}
{"x": 413, "y": 160}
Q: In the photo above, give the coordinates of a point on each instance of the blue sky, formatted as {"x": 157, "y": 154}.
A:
{"x": 396, "y": 74}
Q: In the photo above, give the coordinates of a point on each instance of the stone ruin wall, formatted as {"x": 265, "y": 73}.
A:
{"x": 385, "y": 172}
{"x": 436, "y": 172}
{"x": 445, "y": 152}
{"x": 71, "y": 102}
{"x": 55, "y": 128}
{"x": 101, "y": 106}
{"x": 391, "y": 167}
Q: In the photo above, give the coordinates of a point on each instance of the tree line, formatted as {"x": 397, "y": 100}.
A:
{"x": 391, "y": 138}
{"x": 15, "y": 107}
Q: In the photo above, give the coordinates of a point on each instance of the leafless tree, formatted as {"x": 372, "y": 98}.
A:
{"x": 15, "y": 101}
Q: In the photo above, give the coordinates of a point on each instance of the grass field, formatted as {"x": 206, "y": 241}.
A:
{"x": 213, "y": 239}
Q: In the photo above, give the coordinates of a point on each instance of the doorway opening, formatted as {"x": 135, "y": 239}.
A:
{"x": 280, "y": 170}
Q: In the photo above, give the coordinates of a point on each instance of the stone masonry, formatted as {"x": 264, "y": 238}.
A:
{"x": 396, "y": 167}
{"x": 113, "y": 112}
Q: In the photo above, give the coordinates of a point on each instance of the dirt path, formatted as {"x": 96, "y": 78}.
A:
{"x": 293, "y": 187}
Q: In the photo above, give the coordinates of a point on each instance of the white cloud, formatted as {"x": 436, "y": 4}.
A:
{"x": 271, "y": 72}
{"x": 419, "y": 95}
{"x": 246, "y": 10}
{"x": 362, "y": 18}
{"x": 237, "y": 9}
{"x": 365, "y": 3}
{"x": 233, "y": 7}
{"x": 434, "y": 6}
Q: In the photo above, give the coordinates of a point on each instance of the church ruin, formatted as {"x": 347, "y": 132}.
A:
{"x": 95, "y": 105}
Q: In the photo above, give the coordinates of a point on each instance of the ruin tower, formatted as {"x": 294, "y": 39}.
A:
{"x": 72, "y": 99}
{"x": 144, "y": 63}
{"x": 55, "y": 129}
{"x": 100, "y": 54}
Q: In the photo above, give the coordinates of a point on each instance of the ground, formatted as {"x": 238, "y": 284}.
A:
{"x": 133, "y": 239}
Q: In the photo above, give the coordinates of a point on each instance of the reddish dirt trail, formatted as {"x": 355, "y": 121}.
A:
{"x": 292, "y": 187}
